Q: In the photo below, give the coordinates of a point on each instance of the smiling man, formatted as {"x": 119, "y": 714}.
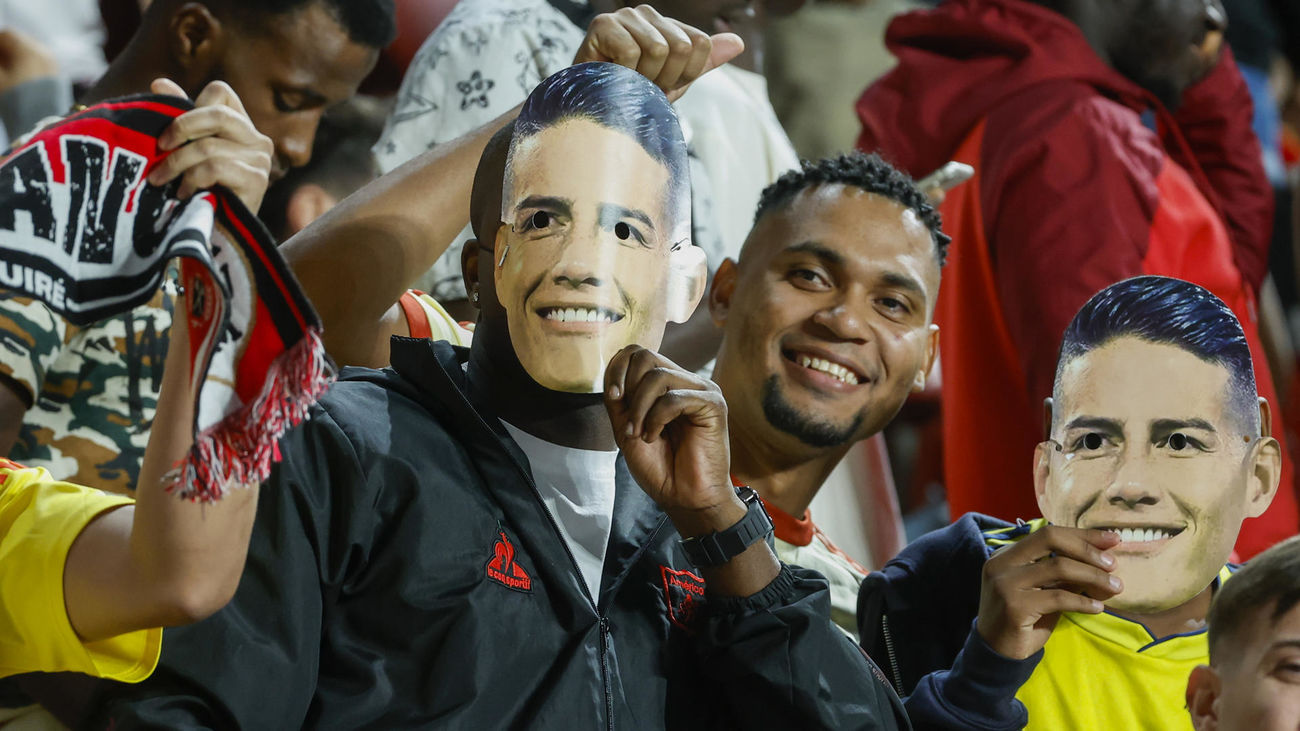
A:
{"x": 826, "y": 322}
{"x": 1158, "y": 450}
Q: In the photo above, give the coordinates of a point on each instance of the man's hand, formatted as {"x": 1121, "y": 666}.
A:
{"x": 672, "y": 427}
{"x": 22, "y": 59}
{"x": 1027, "y": 585}
{"x": 670, "y": 53}
{"x": 214, "y": 144}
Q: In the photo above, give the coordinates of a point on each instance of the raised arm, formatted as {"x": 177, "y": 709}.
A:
{"x": 164, "y": 561}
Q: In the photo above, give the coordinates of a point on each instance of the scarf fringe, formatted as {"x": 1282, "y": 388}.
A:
{"x": 241, "y": 448}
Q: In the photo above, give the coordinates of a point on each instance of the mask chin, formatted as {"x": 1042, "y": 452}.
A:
{"x": 687, "y": 272}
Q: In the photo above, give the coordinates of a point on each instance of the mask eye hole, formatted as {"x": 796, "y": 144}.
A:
{"x": 622, "y": 231}
{"x": 1177, "y": 442}
{"x": 1092, "y": 441}
{"x": 540, "y": 219}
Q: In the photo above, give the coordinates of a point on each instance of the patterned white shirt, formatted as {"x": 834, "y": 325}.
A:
{"x": 488, "y": 55}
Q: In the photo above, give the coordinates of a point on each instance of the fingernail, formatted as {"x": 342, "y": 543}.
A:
{"x": 1107, "y": 559}
{"x": 1115, "y": 583}
{"x": 614, "y": 392}
{"x": 630, "y": 430}
{"x": 1098, "y": 607}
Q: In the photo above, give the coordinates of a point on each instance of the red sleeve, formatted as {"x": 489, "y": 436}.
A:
{"x": 1214, "y": 119}
{"x": 1067, "y": 214}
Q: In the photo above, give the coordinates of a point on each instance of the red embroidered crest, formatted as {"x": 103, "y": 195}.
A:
{"x": 503, "y": 568}
{"x": 684, "y": 592}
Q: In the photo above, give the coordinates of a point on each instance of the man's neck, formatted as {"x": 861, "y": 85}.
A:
{"x": 787, "y": 480}
{"x": 576, "y": 420}
{"x": 128, "y": 74}
{"x": 1186, "y": 617}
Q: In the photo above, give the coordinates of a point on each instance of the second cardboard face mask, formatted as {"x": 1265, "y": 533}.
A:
{"x": 595, "y": 250}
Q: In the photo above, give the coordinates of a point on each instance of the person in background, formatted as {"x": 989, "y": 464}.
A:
{"x": 79, "y": 400}
{"x": 1252, "y": 681}
{"x": 341, "y": 163}
{"x": 1105, "y": 145}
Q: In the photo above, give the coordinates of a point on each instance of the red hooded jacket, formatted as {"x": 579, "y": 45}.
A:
{"x": 1072, "y": 193}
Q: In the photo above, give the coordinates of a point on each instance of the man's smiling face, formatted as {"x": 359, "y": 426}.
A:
{"x": 588, "y": 257}
{"x": 1144, "y": 443}
{"x": 826, "y": 322}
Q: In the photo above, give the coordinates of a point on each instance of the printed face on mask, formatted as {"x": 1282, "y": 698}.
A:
{"x": 1145, "y": 444}
{"x": 584, "y": 257}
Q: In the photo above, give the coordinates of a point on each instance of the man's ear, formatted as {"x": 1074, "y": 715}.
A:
{"x": 721, "y": 291}
{"x": 1203, "y": 688}
{"x": 931, "y": 353}
{"x": 469, "y": 268}
{"x": 1265, "y": 460}
{"x": 1042, "y": 472}
{"x": 307, "y": 203}
{"x": 196, "y": 40}
{"x": 688, "y": 272}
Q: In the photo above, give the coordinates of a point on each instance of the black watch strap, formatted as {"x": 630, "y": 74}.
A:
{"x": 718, "y": 548}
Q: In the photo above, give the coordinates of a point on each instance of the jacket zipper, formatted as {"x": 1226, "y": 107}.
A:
{"x": 604, "y": 672}
{"x": 586, "y": 592}
{"x": 889, "y": 650}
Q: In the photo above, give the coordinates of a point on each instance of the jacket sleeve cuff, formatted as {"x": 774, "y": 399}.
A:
{"x": 778, "y": 592}
{"x": 978, "y": 692}
{"x": 983, "y": 678}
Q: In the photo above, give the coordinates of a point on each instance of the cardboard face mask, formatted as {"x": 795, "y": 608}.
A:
{"x": 595, "y": 250}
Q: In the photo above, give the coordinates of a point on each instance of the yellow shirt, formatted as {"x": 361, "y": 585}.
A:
{"x": 39, "y": 520}
{"x": 1101, "y": 671}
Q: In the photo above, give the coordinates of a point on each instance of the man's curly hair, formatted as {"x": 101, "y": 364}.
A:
{"x": 860, "y": 170}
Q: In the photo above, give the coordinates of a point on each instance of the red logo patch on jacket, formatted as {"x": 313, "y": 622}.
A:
{"x": 684, "y": 593}
{"x": 503, "y": 568}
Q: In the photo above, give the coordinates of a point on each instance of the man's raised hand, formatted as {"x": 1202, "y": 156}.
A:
{"x": 214, "y": 144}
{"x": 670, "y": 53}
{"x": 672, "y": 428}
{"x": 1027, "y": 585}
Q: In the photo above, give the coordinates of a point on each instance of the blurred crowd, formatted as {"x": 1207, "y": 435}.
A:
{"x": 1005, "y": 293}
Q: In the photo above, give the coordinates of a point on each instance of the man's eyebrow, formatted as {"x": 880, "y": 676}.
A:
{"x": 903, "y": 281}
{"x": 610, "y": 213}
{"x": 1161, "y": 426}
{"x": 310, "y": 96}
{"x": 1096, "y": 423}
{"x": 818, "y": 250}
{"x": 562, "y": 206}
{"x": 1279, "y": 644}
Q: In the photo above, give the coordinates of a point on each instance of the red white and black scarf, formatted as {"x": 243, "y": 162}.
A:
{"x": 82, "y": 231}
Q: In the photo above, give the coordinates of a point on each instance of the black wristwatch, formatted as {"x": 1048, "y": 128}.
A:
{"x": 718, "y": 548}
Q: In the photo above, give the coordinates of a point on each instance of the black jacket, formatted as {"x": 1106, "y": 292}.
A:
{"x": 916, "y": 616}
{"x": 404, "y": 573}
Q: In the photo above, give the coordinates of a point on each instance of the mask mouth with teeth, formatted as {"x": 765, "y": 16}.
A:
{"x": 594, "y": 250}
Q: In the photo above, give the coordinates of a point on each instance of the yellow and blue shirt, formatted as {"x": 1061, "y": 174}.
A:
{"x": 1102, "y": 671}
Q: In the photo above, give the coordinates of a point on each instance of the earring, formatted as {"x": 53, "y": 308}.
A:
{"x": 473, "y": 296}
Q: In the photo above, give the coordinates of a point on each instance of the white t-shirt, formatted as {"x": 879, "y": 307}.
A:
{"x": 577, "y": 486}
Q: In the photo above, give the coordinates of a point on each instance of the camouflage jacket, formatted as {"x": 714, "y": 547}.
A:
{"x": 94, "y": 389}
